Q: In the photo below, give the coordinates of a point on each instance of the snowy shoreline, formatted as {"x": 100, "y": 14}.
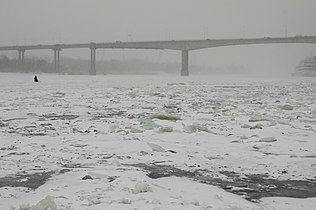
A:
{"x": 98, "y": 126}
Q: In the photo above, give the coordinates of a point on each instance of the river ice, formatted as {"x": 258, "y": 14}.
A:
{"x": 55, "y": 132}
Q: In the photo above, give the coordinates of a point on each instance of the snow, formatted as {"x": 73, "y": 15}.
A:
{"x": 102, "y": 126}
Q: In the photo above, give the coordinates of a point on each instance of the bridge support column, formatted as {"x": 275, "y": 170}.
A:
{"x": 92, "y": 64}
{"x": 57, "y": 60}
{"x": 21, "y": 56}
{"x": 185, "y": 63}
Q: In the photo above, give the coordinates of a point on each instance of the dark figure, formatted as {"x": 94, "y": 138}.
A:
{"x": 35, "y": 79}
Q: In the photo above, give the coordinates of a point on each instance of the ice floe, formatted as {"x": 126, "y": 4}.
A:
{"x": 157, "y": 143}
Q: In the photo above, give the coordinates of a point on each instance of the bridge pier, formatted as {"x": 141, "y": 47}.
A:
{"x": 185, "y": 63}
{"x": 92, "y": 64}
{"x": 21, "y": 56}
{"x": 57, "y": 60}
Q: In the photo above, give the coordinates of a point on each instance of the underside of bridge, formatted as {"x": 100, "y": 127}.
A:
{"x": 184, "y": 62}
{"x": 93, "y": 70}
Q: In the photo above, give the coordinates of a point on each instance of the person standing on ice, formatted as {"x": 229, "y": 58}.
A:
{"x": 35, "y": 79}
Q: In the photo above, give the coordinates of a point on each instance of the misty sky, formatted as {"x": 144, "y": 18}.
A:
{"x": 73, "y": 21}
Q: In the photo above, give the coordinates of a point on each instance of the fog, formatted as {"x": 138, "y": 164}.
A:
{"x": 75, "y": 21}
{"x": 218, "y": 128}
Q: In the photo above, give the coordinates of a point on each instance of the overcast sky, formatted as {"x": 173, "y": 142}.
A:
{"x": 73, "y": 21}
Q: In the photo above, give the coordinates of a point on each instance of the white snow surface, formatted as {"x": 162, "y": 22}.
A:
{"x": 103, "y": 123}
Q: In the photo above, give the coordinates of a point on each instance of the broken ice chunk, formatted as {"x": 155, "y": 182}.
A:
{"x": 156, "y": 147}
{"x": 286, "y": 107}
{"x": 46, "y": 203}
{"x": 165, "y": 117}
{"x": 268, "y": 139}
{"x": 257, "y": 119}
{"x": 141, "y": 187}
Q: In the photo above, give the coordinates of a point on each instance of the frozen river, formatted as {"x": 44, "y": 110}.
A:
{"x": 157, "y": 142}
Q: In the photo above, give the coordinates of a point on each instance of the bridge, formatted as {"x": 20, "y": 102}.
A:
{"x": 180, "y": 45}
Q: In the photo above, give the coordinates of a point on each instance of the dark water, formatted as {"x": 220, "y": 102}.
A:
{"x": 31, "y": 181}
{"x": 252, "y": 187}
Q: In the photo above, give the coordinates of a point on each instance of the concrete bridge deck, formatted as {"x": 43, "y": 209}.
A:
{"x": 180, "y": 45}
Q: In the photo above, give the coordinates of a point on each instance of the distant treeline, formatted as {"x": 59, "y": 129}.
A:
{"x": 79, "y": 66}
{"x": 132, "y": 66}
{"x": 29, "y": 65}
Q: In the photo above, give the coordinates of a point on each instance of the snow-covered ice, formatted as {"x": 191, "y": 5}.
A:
{"x": 55, "y": 132}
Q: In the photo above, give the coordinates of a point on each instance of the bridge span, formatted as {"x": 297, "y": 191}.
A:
{"x": 180, "y": 45}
